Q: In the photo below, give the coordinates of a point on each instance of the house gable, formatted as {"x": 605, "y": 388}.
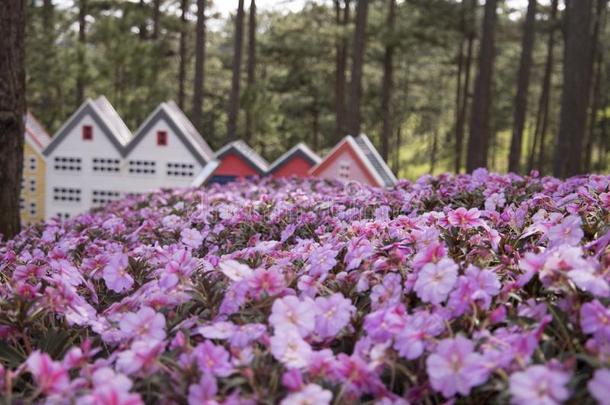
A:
{"x": 87, "y": 112}
{"x": 297, "y": 161}
{"x": 347, "y": 162}
{"x": 164, "y": 117}
{"x": 233, "y": 164}
{"x": 238, "y": 159}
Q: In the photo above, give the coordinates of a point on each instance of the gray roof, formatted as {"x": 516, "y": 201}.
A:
{"x": 246, "y": 152}
{"x": 376, "y": 161}
{"x": 113, "y": 119}
{"x": 181, "y": 126}
{"x": 105, "y": 116}
{"x": 36, "y": 132}
{"x": 299, "y": 149}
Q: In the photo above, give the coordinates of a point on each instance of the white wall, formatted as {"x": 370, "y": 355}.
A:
{"x": 174, "y": 152}
{"x": 73, "y": 146}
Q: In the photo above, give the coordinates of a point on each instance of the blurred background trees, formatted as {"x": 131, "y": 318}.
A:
{"x": 439, "y": 85}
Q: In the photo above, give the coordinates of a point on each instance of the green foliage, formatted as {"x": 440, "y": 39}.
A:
{"x": 293, "y": 98}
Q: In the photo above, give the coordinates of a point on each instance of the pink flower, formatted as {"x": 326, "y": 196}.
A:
{"x": 292, "y": 379}
{"x": 310, "y": 394}
{"x": 321, "y": 261}
{"x": 410, "y": 341}
{"x": 191, "y": 237}
{"x": 431, "y": 253}
{"x": 180, "y": 266}
{"x": 358, "y": 249}
{"x": 595, "y": 318}
{"x": 50, "y": 376}
{"x": 289, "y": 348}
{"x": 466, "y": 219}
{"x": 539, "y": 385}
{"x": 436, "y": 280}
{"x": 213, "y": 359}
{"x": 599, "y": 386}
{"x": 218, "y": 330}
{"x": 567, "y": 232}
{"x": 115, "y": 273}
{"x": 204, "y": 392}
{"x": 269, "y": 282}
{"x": 334, "y": 313}
{"x": 455, "y": 367}
{"x": 144, "y": 324}
{"x": 474, "y": 287}
{"x": 235, "y": 270}
{"x": 290, "y": 312}
{"x": 110, "y": 388}
{"x": 141, "y": 357}
{"x": 107, "y": 395}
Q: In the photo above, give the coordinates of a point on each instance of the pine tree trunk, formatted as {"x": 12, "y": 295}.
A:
{"x": 199, "y": 80}
{"x": 388, "y": 84}
{"x": 142, "y": 31}
{"x": 342, "y": 20}
{"x": 12, "y": 111}
{"x": 464, "y": 68}
{"x": 353, "y": 107}
{"x": 251, "y": 70}
{"x": 182, "y": 51}
{"x": 49, "y": 62}
{"x": 543, "y": 103}
{"x": 514, "y": 158}
{"x": 235, "y": 82}
{"x": 595, "y": 74}
{"x": 82, "y": 43}
{"x": 576, "y": 86}
{"x": 156, "y": 15}
{"x": 478, "y": 141}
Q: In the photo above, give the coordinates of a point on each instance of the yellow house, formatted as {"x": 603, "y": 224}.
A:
{"x": 32, "y": 201}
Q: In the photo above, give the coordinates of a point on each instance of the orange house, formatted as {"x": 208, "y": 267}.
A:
{"x": 355, "y": 159}
{"x": 296, "y": 162}
{"x": 237, "y": 159}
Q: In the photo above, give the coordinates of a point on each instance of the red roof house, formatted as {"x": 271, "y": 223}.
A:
{"x": 237, "y": 159}
{"x": 296, "y": 162}
{"x": 355, "y": 159}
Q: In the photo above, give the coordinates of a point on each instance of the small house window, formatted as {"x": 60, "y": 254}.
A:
{"x": 161, "y": 138}
{"x": 87, "y": 132}
{"x": 344, "y": 169}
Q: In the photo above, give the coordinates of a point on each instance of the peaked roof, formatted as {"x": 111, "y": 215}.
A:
{"x": 299, "y": 149}
{"x": 205, "y": 173}
{"x": 113, "y": 119}
{"x": 105, "y": 116}
{"x": 367, "y": 154}
{"x": 36, "y": 133}
{"x": 242, "y": 149}
{"x": 376, "y": 160}
{"x": 181, "y": 126}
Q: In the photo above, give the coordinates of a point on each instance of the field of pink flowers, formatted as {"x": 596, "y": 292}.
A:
{"x": 471, "y": 289}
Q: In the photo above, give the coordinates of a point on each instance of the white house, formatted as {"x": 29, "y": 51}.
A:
{"x": 85, "y": 160}
{"x": 94, "y": 159}
{"x": 167, "y": 151}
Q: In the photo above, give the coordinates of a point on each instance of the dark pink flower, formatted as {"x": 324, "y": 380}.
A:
{"x": 51, "y": 376}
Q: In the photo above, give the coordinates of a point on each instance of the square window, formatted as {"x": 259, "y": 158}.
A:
{"x": 161, "y": 138}
{"x": 87, "y": 132}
